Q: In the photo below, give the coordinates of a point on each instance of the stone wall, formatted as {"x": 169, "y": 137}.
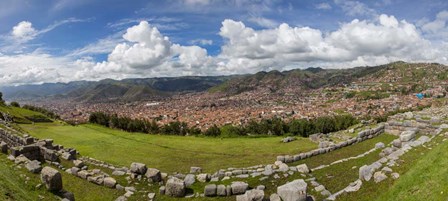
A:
{"x": 408, "y": 122}
{"x": 363, "y": 135}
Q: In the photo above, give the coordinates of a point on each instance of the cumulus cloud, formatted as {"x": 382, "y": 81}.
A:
{"x": 34, "y": 68}
{"x": 323, "y": 6}
{"x": 23, "y": 31}
{"x": 358, "y": 42}
{"x": 146, "y": 52}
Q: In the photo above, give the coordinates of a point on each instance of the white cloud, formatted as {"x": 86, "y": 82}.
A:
{"x": 439, "y": 27}
{"x": 24, "y": 31}
{"x": 323, "y": 6}
{"x": 355, "y": 8}
{"x": 264, "y": 22}
{"x": 201, "y": 42}
{"x": 146, "y": 52}
{"x": 357, "y": 42}
{"x": 33, "y": 68}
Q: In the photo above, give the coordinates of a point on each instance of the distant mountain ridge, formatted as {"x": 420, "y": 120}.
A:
{"x": 274, "y": 81}
{"x": 108, "y": 89}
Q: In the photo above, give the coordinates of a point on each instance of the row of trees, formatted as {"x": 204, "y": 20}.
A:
{"x": 274, "y": 126}
{"x": 297, "y": 127}
{"x": 141, "y": 125}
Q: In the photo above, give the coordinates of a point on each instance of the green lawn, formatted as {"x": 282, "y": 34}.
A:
{"x": 21, "y": 115}
{"x": 13, "y": 186}
{"x": 426, "y": 179}
{"x": 168, "y": 153}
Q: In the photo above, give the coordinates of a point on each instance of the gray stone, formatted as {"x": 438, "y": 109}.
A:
{"x": 153, "y": 175}
{"x": 283, "y": 167}
{"x": 288, "y": 139}
{"x": 110, "y": 182}
{"x": 396, "y": 143}
{"x": 379, "y": 176}
{"x": 34, "y": 166}
{"x": 365, "y": 173}
{"x": 239, "y": 187}
{"x": 293, "y": 191}
{"x": 189, "y": 180}
{"x": 319, "y": 188}
{"x": 261, "y": 187}
{"x": 386, "y": 170}
{"x": 118, "y": 173}
{"x": 195, "y": 170}
{"x": 395, "y": 175}
{"x": 281, "y": 158}
{"x": 407, "y": 136}
{"x": 138, "y": 168}
{"x": 252, "y": 195}
{"x": 325, "y": 193}
{"x": 78, "y": 163}
{"x": 175, "y": 187}
{"x": 84, "y": 174}
{"x": 303, "y": 168}
{"x": 151, "y": 196}
{"x": 354, "y": 186}
{"x": 229, "y": 190}
{"x": 69, "y": 196}
{"x": 51, "y": 178}
{"x": 210, "y": 190}
{"x": 379, "y": 145}
{"x": 203, "y": 177}
{"x": 221, "y": 190}
{"x": 275, "y": 197}
{"x": 162, "y": 190}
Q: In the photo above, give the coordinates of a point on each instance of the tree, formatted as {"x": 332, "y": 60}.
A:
{"x": 213, "y": 131}
{"x": 2, "y": 102}
{"x": 14, "y": 104}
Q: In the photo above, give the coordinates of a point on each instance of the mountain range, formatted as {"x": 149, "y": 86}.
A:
{"x": 273, "y": 81}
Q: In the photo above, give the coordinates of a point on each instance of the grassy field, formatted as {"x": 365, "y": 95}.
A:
{"x": 168, "y": 153}
{"x": 21, "y": 115}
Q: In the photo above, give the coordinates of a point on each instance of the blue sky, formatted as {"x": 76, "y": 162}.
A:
{"x": 65, "y": 40}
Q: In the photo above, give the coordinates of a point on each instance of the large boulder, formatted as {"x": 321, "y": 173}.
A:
{"x": 138, "y": 168}
{"x": 34, "y": 166}
{"x": 293, "y": 191}
{"x": 175, "y": 187}
{"x": 51, "y": 178}
{"x": 153, "y": 175}
{"x": 239, "y": 187}
{"x": 210, "y": 190}
{"x": 252, "y": 195}
{"x": 189, "y": 180}
{"x": 110, "y": 182}
{"x": 365, "y": 173}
